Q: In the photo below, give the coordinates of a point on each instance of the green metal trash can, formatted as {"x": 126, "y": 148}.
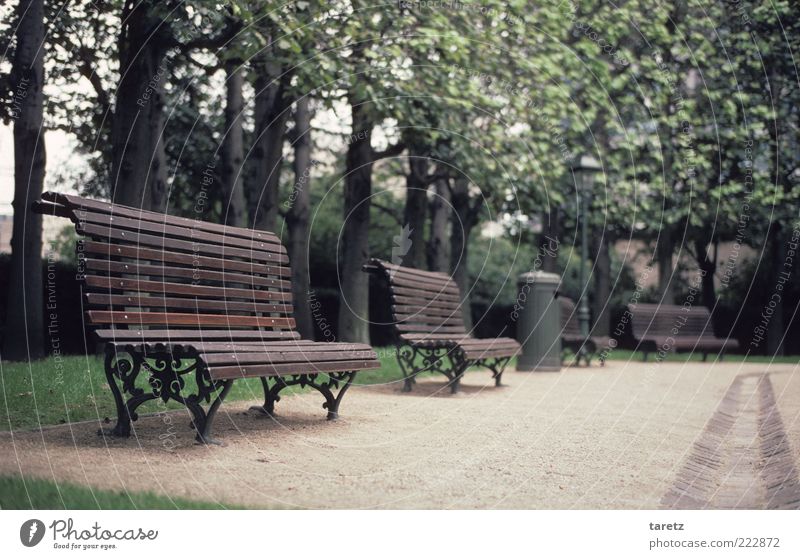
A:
{"x": 539, "y": 322}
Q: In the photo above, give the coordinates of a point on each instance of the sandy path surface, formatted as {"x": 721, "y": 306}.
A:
{"x": 612, "y": 437}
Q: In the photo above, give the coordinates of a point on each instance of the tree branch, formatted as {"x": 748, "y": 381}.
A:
{"x": 391, "y": 151}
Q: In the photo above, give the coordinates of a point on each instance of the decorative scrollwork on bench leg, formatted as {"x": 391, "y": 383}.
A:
{"x": 325, "y": 388}
{"x": 405, "y": 358}
{"x": 271, "y": 395}
{"x": 497, "y": 365}
{"x": 122, "y": 369}
{"x": 449, "y": 362}
{"x": 166, "y": 381}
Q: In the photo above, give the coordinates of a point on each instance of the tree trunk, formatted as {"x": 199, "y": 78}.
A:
{"x": 463, "y": 222}
{"x": 415, "y": 212}
{"x": 775, "y": 329}
{"x": 136, "y": 164}
{"x": 271, "y": 115}
{"x": 235, "y": 210}
{"x": 297, "y": 219}
{"x": 157, "y": 181}
{"x": 664, "y": 252}
{"x": 549, "y": 239}
{"x": 24, "y": 333}
{"x": 708, "y": 267}
{"x": 602, "y": 286}
{"x": 354, "y": 299}
{"x": 438, "y": 254}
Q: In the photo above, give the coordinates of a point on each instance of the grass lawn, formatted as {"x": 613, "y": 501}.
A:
{"x": 49, "y": 393}
{"x": 18, "y": 494}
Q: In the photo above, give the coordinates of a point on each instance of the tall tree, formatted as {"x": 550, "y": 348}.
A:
{"x": 232, "y": 156}
{"x": 297, "y": 218}
{"x": 137, "y": 169}
{"x": 438, "y": 247}
{"x": 24, "y": 332}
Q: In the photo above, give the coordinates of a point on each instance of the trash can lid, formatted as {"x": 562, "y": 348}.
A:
{"x": 539, "y": 277}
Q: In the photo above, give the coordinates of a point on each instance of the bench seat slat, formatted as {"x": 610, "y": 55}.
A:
{"x": 273, "y": 356}
{"x": 307, "y": 346}
{"x": 221, "y": 372}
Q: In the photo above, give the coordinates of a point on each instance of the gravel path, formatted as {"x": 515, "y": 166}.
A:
{"x": 622, "y": 436}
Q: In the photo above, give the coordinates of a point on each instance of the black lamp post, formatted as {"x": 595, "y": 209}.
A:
{"x": 584, "y": 172}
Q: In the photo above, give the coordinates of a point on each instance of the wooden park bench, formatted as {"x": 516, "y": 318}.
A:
{"x": 181, "y": 299}
{"x": 666, "y": 328}
{"x": 571, "y": 337}
{"x": 430, "y": 333}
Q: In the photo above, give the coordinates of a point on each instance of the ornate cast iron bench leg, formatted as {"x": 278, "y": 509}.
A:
{"x": 497, "y": 365}
{"x": 271, "y": 395}
{"x": 203, "y": 421}
{"x": 325, "y": 388}
{"x": 166, "y": 372}
{"x": 405, "y": 358}
{"x": 124, "y": 372}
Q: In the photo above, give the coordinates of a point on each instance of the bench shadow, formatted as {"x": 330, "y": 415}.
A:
{"x": 172, "y": 431}
{"x": 429, "y": 387}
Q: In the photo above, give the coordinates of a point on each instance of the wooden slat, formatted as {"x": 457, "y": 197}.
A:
{"x": 170, "y": 231}
{"x": 135, "y": 268}
{"x": 450, "y": 306}
{"x": 233, "y": 371}
{"x": 159, "y": 255}
{"x": 439, "y": 276}
{"x": 416, "y": 328}
{"x": 275, "y": 357}
{"x": 186, "y": 319}
{"x": 426, "y": 310}
{"x": 146, "y": 286}
{"x": 82, "y": 204}
{"x": 306, "y": 346}
{"x": 419, "y": 318}
{"x": 488, "y": 354}
{"x": 404, "y": 277}
{"x": 433, "y": 289}
{"x": 178, "y": 336}
{"x": 120, "y": 302}
{"x": 426, "y": 295}
{"x": 139, "y": 239}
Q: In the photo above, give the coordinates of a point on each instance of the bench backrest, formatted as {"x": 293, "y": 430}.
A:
{"x": 147, "y": 271}
{"x": 652, "y": 320}
{"x": 423, "y": 303}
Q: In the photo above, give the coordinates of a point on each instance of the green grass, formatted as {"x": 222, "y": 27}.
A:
{"x": 18, "y": 493}
{"x": 50, "y": 392}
